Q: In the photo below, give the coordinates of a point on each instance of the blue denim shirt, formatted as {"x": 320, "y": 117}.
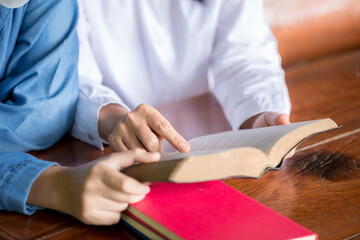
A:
{"x": 38, "y": 90}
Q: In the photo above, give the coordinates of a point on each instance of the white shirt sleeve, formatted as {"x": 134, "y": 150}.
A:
{"x": 92, "y": 94}
{"x": 246, "y": 74}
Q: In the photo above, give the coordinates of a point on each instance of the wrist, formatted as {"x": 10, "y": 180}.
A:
{"x": 109, "y": 117}
{"x": 47, "y": 191}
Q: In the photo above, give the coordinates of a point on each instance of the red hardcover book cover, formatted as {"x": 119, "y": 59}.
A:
{"x": 212, "y": 210}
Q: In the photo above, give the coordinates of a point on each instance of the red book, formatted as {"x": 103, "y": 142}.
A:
{"x": 211, "y": 210}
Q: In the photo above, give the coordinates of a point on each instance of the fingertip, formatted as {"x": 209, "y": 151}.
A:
{"x": 147, "y": 190}
{"x": 283, "y": 119}
{"x": 132, "y": 186}
{"x": 184, "y": 147}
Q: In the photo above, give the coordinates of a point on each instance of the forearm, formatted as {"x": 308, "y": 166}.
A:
{"x": 49, "y": 189}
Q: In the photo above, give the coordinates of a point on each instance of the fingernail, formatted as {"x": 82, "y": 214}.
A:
{"x": 183, "y": 147}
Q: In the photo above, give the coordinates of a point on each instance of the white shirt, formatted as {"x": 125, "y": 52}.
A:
{"x": 161, "y": 51}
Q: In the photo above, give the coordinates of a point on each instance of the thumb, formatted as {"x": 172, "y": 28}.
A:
{"x": 274, "y": 118}
{"x": 126, "y": 159}
{"x": 282, "y": 119}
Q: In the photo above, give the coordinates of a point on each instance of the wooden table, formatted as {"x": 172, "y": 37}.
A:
{"x": 319, "y": 187}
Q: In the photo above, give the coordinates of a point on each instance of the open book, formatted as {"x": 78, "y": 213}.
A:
{"x": 242, "y": 153}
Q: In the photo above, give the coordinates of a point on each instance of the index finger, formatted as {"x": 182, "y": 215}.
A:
{"x": 164, "y": 129}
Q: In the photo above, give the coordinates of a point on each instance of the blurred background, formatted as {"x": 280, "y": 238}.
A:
{"x": 311, "y": 29}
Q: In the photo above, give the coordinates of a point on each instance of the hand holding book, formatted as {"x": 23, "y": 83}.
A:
{"x": 268, "y": 119}
{"x": 242, "y": 153}
{"x": 95, "y": 192}
{"x": 146, "y": 128}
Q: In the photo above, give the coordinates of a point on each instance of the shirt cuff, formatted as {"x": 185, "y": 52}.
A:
{"x": 17, "y": 182}
{"x": 85, "y": 126}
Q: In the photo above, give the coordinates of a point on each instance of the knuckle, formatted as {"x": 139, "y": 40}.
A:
{"x": 124, "y": 185}
{"x": 131, "y": 117}
{"x": 143, "y": 108}
{"x": 163, "y": 126}
{"x": 152, "y": 143}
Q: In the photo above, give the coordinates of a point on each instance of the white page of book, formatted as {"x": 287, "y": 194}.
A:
{"x": 261, "y": 138}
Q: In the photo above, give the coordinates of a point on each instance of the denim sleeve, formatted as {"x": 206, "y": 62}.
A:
{"x": 38, "y": 74}
{"x": 18, "y": 171}
{"x": 38, "y": 91}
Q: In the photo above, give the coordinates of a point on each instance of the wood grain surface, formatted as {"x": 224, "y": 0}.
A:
{"x": 319, "y": 188}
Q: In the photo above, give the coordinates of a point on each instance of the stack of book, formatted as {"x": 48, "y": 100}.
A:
{"x": 208, "y": 210}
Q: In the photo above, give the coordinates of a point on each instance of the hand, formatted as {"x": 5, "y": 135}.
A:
{"x": 267, "y": 119}
{"x": 143, "y": 128}
{"x": 96, "y": 192}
